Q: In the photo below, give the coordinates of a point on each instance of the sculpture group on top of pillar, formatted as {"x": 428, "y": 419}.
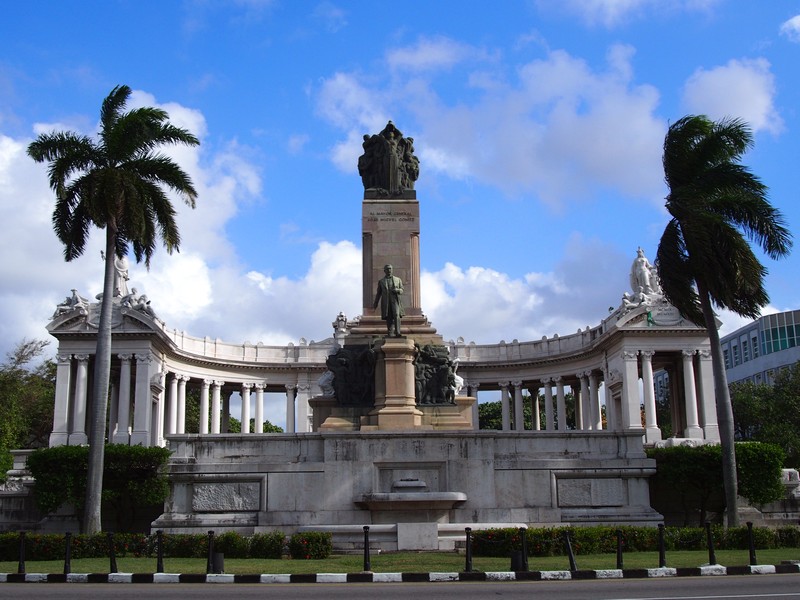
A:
{"x": 644, "y": 284}
{"x": 434, "y": 375}
{"x": 350, "y": 376}
{"x": 388, "y": 164}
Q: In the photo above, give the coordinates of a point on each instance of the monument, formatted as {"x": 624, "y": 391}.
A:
{"x": 381, "y": 419}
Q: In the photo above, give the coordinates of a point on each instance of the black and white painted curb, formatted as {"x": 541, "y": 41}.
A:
{"x": 368, "y": 577}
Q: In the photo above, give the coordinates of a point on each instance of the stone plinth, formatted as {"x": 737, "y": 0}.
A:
{"x": 395, "y": 403}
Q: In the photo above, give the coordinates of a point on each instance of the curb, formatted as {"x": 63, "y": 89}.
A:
{"x": 369, "y": 577}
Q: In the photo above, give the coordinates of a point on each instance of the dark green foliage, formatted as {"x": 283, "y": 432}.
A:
{"x": 694, "y": 476}
{"x": 232, "y": 545}
{"x": 490, "y": 414}
{"x": 133, "y": 477}
{"x": 311, "y": 545}
{"x": 771, "y": 414}
{"x": 182, "y": 545}
{"x": 267, "y": 545}
{"x": 26, "y": 401}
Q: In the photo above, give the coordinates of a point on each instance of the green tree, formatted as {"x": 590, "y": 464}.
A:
{"x": 117, "y": 184}
{"x": 26, "y": 400}
{"x": 704, "y": 259}
{"x": 770, "y": 413}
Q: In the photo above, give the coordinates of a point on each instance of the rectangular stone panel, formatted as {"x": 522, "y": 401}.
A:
{"x": 240, "y": 496}
{"x": 590, "y": 492}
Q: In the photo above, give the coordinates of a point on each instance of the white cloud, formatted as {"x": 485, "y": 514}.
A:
{"x": 742, "y": 88}
{"x": 610, "y": 13}
{"x": 429, "y": 54}
{"x": 791, "y": 29}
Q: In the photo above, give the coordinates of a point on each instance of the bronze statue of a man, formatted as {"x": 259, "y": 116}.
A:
{"x": 389, "y": 294}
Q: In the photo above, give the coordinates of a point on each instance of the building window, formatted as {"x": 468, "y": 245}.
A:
{"x": 745, "y": 353}
{"x": 727, "y": 358}
{"x": 736, "y": 358}
{"x": 755, "y": 347}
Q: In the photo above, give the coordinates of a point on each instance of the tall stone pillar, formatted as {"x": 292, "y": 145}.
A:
{"x": 692, "y": 424}
{"x": 158, "y": 427}
{"x": 259, "y": 418}
{"x": 203, "y": 426}
{"x": 225, "y": 423}
{"x": 587, "y": 420}
{"x": 548, "y": 403}
{"x": 519, "y": 416}
{"x": 121, "y": 435}
{"x": 708, "y": 404}
{"x": 472, "y": 391}
{"x": 594, "y": 399}
{"x": 561, "y": 405}
{"x": 652, "y": 432}
{"x": 182, "y": 403}
{"x": 505, "y": 413}
{"x": 631, "y": 412}
{"x": 536, "y": 424}
{"x": 78, "y": 435}
{"x": 290, "y": 393}
{"x": 246, "y": 387}
{"x": 216, "y": 409}
{"x": 301, "y": 402}
{"x": 395, "y": 398}
{"x": 172, "y": 412}
{"x": 60, "y": 434}
{"x": 143, "y": 408}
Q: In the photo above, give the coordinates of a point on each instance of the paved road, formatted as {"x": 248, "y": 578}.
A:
{"x": 754, "y": 587}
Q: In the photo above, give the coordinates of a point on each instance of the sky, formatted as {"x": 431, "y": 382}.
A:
{"x": 539, "y": 126}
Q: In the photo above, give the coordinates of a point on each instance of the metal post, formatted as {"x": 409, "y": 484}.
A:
{"x": 522, "y": 534}
{"x": 159, "y": 551}
{"x": 367, "y": 563}
{"x": 468, "y": 562}
{"x": 112, "y": 555}
{"x": 662, "y": 551}
{"x": 21, "y": 564}
{"x": 751, "y": 543}
{"x": 210, "y": 561}
{"x": 68, "y": 553}
{"x": 619, "y": 549}
{"x": 712, "y": 557}
{"x": 572, "y": 566}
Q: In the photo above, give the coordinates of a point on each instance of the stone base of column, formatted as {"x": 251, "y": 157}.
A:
{"x": 140, "y": 438}
{"x": 652, "y": 435}
{"x": 711, "y": 433}
{"x": 417, "y": 327}
{"x": 120, "y": 437}
{"x": 78, "y": 439}
{"x": 693, "y": 432}
{"x": 58, "y": 438}
{"x": 451, "y": 417}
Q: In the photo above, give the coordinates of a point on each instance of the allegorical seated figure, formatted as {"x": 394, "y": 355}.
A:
{"x": 70, "y": 303}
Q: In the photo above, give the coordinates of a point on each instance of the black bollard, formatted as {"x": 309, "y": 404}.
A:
{"x": 468, "y": 553}
{"x": 112, "y": 555}
{"x": 522, "y": 533}
{"x": 159, "y": 551}
{"x": 619, "y": 549}
{"x": 68, "y": 553}
{"x": 662, "y": 551}
{"x": 21, "y": 563}
{"x": 751, "y": 543}
{"x": 568, "y": 545}
{"x": 210, "y": 561}
{"x": 712, "y": 557}
{"x": 367, "y": 563}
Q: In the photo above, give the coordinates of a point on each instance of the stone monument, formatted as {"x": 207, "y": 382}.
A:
{"x": 393, "y": 372}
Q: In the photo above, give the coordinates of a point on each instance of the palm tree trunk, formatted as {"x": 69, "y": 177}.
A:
{"x": 102, "y": 373}
{"x": 722, "y": 398}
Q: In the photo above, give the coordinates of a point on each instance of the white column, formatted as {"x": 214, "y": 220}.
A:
{"x": 143, "y": 407}
{"x": 652, "y": 433}
{"x": 290, "y": 391}
{"x": 215, "y": 405}
{"x": 259, "y": 424}
{"x": 519, "y": 415}
{"x": 505, "y": 412}
{"x": 587, "y": 417}
{"x": 78, "y": 436}
{"x": 301, "y": 400}
{"x": 172, "y": 413}
{"x": 113, "y": 406}
{"x": 225, "y": 423}
{"x": 594, "y": 400}
{"x": 160, "y": 440}
{"x": 631, "y": 405}
{"x": 535, "y": 415}
{"x": 181, "y": 424}
{"x": 246, "y": 387}
{"x": 692, "y": 424}
{"x": 561, "y": 406}
{"x": 203, "y": 425}
{"x": 708, "y": 416}
{"x": 60, "y": 435}
{"x": 548, "y": 404}
{"x": 122, "y": 433}
{"x": 473, "y": 392}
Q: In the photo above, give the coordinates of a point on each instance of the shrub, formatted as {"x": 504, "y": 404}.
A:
{"x": 311, "y": 545}
{"x": 267, "y": 545}
{"x": 232, "y": 545}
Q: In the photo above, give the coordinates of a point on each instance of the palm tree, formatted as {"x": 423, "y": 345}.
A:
{"x": 704, "y": 257}
{"x": 115, "y": 183}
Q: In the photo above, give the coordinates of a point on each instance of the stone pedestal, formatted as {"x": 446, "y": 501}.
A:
{"x": 395, "y": 404}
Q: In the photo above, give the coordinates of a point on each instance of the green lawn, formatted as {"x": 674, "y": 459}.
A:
{"x": 408, "y": 562}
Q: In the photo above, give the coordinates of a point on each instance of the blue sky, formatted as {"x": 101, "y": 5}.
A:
{"x": 538, "y": 124}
